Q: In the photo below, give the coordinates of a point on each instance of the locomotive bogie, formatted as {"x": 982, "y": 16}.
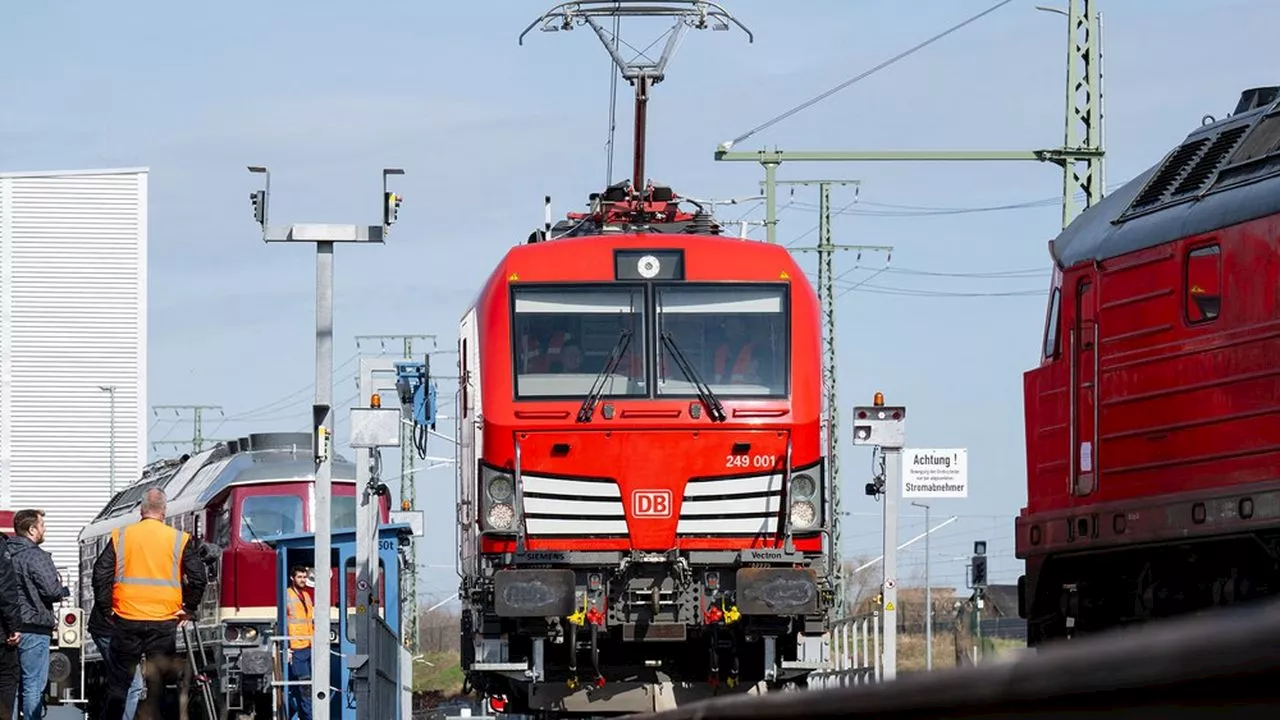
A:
{"x": 1072, "y": 594}
{"x": 543, "y": 633}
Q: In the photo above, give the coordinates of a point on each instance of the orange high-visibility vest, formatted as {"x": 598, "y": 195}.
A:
{"x": 300, "y": 616}
{"x": 539, "y": 361}
{"x": 148, "y": 571}
{"x": 741, "y": 366}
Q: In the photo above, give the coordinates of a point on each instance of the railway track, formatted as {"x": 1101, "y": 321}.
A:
{"x": 1225, "y": 663}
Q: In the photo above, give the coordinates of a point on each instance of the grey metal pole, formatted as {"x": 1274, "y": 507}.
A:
{"x": 368, "y": 437}
{"x": 324, "y": 479}
{"x": 885, "y": 427}
{"x": 892, "y": 492}
{"x": 928, "y": 592}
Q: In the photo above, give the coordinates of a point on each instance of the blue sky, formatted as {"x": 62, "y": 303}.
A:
{"x": 328, "y": 93}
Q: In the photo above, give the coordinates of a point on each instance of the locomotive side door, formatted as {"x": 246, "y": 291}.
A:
{"x": 1084, "y": 405}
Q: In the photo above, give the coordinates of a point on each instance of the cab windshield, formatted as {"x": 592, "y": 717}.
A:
{"x": 731, "y": 339}
{"x": 565, "y": 337}
{"x": 267, "y": 516}
{"x": 735, "y": 338}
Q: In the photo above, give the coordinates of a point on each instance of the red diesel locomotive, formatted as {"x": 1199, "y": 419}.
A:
{"x": 1153, "y": 420}
{"x": 641, "y": 475}
{"x": 233, "y": 497}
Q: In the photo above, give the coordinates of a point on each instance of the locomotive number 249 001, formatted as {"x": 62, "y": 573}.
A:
{"x": 750, "y": 461}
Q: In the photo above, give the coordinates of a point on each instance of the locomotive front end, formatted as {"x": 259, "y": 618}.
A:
{"x": 650, "y": 505}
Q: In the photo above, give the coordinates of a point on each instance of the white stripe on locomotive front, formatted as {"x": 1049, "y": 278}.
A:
{"x": 570, "y": 488}
{"x": 735, "y": 486}
{"x": 737, "y": 506}
{"x": 571, "y": 506}
{"x": 576, "y": 526}
{"x": 584, "y": 506}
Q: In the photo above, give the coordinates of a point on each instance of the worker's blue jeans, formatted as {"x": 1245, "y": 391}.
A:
{"x": 300, "y": 695}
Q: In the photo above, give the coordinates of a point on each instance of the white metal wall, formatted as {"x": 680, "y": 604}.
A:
{"x": 73, "y": 317}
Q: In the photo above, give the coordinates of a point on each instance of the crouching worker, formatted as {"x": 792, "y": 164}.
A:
{"x": 152, "y": 578}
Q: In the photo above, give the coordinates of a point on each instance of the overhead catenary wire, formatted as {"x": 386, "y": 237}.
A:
{"x": 910, "y": 51}
{"x": 287, "y": 400}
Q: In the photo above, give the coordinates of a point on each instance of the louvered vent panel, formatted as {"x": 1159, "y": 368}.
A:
{"x": 1264, "y": 140}
{"x": 1169, "y": 173}
{"x": 1206, "y": 168}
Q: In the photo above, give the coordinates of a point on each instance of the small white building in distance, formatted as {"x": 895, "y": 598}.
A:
{"x": 73, "y": 344}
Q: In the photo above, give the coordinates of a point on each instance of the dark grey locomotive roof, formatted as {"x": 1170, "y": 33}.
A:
{"x": 196, "y": 479}
{"x": 1224, "y": 173}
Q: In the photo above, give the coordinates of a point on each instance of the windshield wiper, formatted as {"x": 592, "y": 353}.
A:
{"x": 588, "y": 407}
{"x": 714, "y": 409}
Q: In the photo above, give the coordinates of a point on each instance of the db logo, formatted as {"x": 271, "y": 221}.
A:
{"x": 651, "y": 503}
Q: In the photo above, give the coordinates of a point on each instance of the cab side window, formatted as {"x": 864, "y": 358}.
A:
{"x": 1051, "y": 342}
{"x": 1202, "y": 291}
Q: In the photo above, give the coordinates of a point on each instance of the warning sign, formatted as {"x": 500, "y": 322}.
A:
{"x": 888, "y": 607}
{"x": 935, "y": 473}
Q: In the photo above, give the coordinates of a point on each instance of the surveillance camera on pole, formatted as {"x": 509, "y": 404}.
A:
{"x": 390, "y": 201}
{"x": 259, "y": 197}
{"x": 885, "y": 427}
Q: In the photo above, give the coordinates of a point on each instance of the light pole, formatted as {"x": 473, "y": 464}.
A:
{"x": 928, "y": 593}
{"x": 324, "y": 237}
{"x": 110, "y": 390}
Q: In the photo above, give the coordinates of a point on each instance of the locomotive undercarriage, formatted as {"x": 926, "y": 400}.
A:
{"x": 1068, "y": 595}
{"x": 609, "y": 632}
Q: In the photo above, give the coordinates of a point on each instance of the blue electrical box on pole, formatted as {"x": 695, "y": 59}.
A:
{"x": 418, "y": 397}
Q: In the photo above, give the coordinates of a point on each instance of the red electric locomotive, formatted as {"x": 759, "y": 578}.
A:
{"x": 232, "y": 497}
{"x": 642, "y": 494}
{"x": 1153, "y": 420}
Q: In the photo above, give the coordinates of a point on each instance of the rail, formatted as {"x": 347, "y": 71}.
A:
{"x": 1224, "y": 664}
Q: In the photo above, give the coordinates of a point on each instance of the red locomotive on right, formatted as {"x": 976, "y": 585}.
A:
{"x": 1153, "y": 419}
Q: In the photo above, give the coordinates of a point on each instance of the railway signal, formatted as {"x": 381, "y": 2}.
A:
{"x": 978, "y": 576}
{"x": 884, "y": 427}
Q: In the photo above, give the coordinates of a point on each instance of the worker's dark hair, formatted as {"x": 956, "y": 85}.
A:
{"x": 25, "y": 520}
{"x": 298, "y": 569}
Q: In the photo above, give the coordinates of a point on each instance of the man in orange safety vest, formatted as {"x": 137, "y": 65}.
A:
{"x": 735, "y": 361}
{"x": 301, "y": 619}
{"x": 152, "y": 578}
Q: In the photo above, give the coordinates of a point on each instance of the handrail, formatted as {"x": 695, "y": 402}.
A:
{"x": 1222, "y": 664}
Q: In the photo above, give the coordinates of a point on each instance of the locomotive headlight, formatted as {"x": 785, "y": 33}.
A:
{"x": 501, "y": 488}
{"x": 803, "y": 486}
{"x": 803, "y": 514}
{"x": 501, "y": 516}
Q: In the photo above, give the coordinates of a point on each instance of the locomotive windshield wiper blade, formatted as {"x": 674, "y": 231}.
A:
{"x": 588, "y": 407}
{"x": 714, "y": 409}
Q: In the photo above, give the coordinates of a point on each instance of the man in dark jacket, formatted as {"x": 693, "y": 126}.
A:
{"x": 40, "y": 588}
{"x": 10, "y": 624}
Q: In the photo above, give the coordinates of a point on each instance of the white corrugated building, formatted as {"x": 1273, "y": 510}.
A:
{"x": 73, "y": 321}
